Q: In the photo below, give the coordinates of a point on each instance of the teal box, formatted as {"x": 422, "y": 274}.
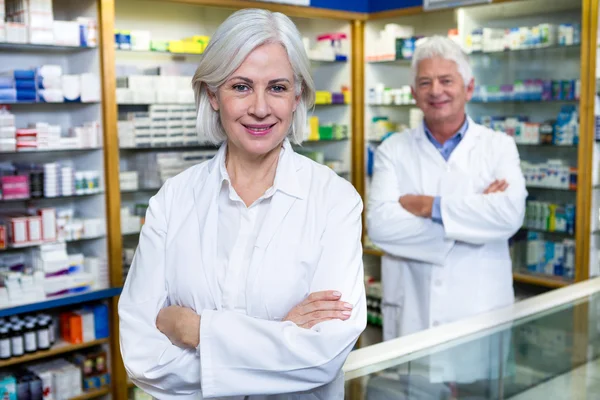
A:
{"x": 8, "y": 387}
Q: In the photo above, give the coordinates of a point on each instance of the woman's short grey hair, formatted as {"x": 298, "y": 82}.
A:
{"x": 440, "y": 46}
{"x": 234, "y": 40}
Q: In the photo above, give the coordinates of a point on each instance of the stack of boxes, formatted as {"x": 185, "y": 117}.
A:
{"x": 159, "y": 89}
{"x": 2, "y": 21}
{"x": 37, "y": 17}
{"x": 325, "y": 131}
{"x": 128, "y": 180}
{"x": 48, "y": 84}
{"x": 162, "y": 126}
{"x": 140, "y": 40}
{"x": 8, "y": 129}
{"x": 325, "y": 97}
{"x": 62, "y": 273}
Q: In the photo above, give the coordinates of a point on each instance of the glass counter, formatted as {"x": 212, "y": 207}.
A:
{"x": 546, "y": 347}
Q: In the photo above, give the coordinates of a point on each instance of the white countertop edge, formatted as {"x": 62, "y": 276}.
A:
{"x": 383, "y": 355}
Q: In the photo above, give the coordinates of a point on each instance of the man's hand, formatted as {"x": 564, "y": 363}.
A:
{"x": 418, "y": 205}
{"x": 181, "y": 325}
{"x": 498, "y": 186}
{"x": 319, "y": 307}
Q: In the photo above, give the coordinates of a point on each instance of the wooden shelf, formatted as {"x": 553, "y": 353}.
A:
{"x": 540, "y": 280}
{"x": 36, "y": 244}
{"x": 73, "y": 196}
{"x": 92, "y": 394}
{"x": 40, "y": 151}
{"x": 42, "y": 48}
{"x": 55, "y": 351}
{"x": 56, "y": 302}
{"x": 372, "y": 252}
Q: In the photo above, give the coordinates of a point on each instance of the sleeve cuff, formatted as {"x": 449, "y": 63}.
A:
{"x": 204, "y": 349}
{"x": 436, "y": 211}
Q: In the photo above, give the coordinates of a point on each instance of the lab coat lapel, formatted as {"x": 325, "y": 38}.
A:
{"x": 206, "y": 196}
{"x": 460, "y": 157}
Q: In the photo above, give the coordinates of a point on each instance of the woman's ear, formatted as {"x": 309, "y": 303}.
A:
{"x": 212, "y": 97}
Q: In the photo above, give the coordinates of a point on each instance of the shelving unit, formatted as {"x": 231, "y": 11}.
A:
{"x": 59, "y": 349}
{"x": 92, "y": 394}
{"x": 497, "y": 68}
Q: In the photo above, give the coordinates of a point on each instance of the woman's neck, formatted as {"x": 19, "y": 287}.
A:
{"x": 250, "y": 175}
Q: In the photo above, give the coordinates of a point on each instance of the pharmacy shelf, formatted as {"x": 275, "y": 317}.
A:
{"x": 402, "y": 61}
{"x": 176, "y": 54}
{"x": 328, "y": 62}
{"x": 69, "y": 103}
{"x": 60, "y": 348}
{"x": 527, "y": 50}
{"x": 180, "y": 147}
{"x": 92, "y": 394}
{"x": 562, "y": 234}
{"x": 43, "y": 151}
{"x": 323, "y": 141}
{"x": 372, "y": 252}
{"x": 144, "y": 189}
{"x": 331, "y": 104}
{"x": 157, "y": 53}
{"x": 547, "y": 146}
{"x": 540, "y": 280}
{"x": 36, "y": 244}
{"x": 552, "y": 188}
{"x": 523, "y": 101}
{"x": 75, "y": 196}
{"x": 155, "y": 104}
{"x": 45, "y": 48}
{"x": 61, "y": 301}
{"x": 131, "y": 234}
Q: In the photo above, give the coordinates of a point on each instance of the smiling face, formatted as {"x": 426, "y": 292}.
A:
{"x": 257, "y": 102}
{"x": 440, "y": 90}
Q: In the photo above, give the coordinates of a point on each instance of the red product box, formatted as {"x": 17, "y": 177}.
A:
{"x": 3, "y": 237}
{"x": 15, "y": 187}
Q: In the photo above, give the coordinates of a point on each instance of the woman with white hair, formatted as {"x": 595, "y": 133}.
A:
{"x": 247, "y": 281}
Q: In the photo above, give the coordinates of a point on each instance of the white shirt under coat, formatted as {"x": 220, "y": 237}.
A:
{"x": 307, "y": 240}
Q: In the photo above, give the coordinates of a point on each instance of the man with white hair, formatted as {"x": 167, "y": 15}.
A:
{"x": 444, "y": 201}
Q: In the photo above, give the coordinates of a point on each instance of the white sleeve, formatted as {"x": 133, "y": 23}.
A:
{"x": 242, "y": 355}
{"x": 392, "y": 228}
{"x": 482, "y": 218}
{"x": 158, "y": 367}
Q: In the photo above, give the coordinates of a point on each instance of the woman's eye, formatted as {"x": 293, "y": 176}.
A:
{"x": 278, "y": 88}
{"x": 241, "y": 88}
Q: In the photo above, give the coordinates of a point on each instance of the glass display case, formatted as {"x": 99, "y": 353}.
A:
{"x": 546, "y": 347}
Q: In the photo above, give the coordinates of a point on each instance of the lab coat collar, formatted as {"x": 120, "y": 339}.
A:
{"x": 286, "y": 176}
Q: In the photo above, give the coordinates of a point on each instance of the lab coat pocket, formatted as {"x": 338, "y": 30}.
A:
{"x": 287, "y": 279}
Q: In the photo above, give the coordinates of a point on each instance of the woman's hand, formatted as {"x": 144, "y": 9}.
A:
{"x": 181, "y": 325}
{"x": 319, "y": 307}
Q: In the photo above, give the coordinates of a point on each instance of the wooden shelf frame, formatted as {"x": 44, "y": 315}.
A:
{"x": 62, "y": 348}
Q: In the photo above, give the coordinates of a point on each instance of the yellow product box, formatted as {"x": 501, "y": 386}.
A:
{"x": 314, "y": 128}
{"x": 322, "y": 97}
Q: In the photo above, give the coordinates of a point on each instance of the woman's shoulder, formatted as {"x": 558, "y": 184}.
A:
{"x": 324, "y": 180}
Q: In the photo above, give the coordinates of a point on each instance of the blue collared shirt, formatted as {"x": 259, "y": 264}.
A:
{"x": 445, "y": 150}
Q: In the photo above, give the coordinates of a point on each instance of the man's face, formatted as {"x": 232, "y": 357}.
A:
{"x": 440, "y": 91}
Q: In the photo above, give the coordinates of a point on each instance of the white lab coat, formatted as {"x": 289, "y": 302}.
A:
{"x": 434, "y": 274}
{"x": 310, "y": 241}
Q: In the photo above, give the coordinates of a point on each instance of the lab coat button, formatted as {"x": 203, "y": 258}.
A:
{"x": 435, "y": 323}
{"x": 438, "y": 282}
